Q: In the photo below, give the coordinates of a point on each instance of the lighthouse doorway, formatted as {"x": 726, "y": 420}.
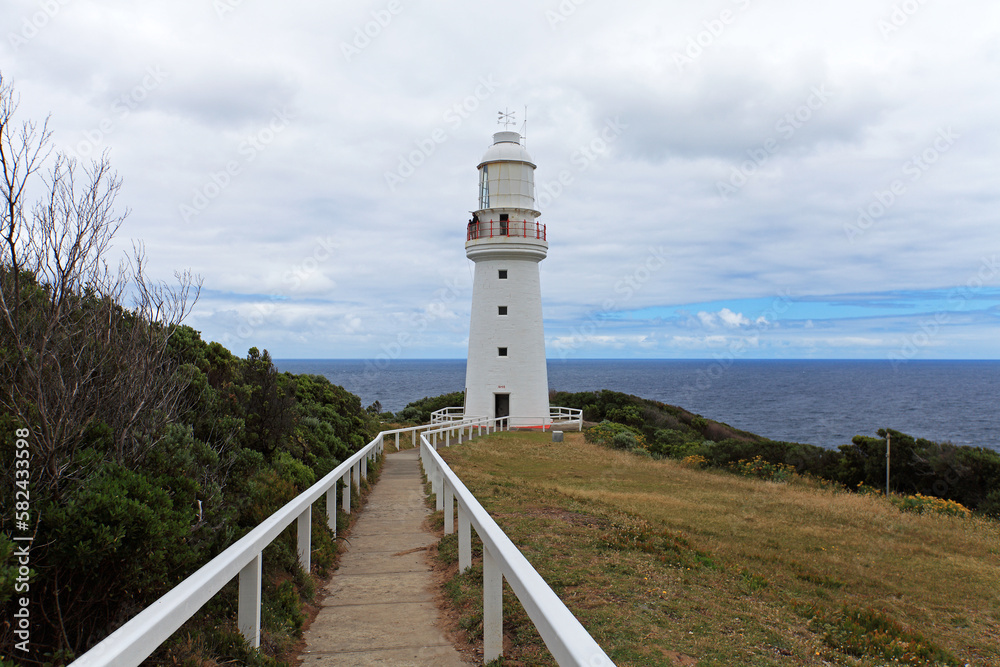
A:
{"x": 501, "y": 405}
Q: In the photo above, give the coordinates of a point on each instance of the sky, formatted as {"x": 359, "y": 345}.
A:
{"x": 723, "y": 179}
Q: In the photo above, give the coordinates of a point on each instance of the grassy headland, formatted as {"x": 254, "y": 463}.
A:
{"x": 667, "y": 564}
{"x": 920, "y": 468}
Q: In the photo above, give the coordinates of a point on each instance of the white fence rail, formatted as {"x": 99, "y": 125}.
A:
{"x": 566, "y": 417}
{"x": 447, "y": 415}
{"x": 567, "y": 640}
{"x": 138, "y": 638}
{"x": 557, "y": 416}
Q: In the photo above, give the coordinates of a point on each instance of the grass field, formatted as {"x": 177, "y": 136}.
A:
{"x": 668, "y": 565}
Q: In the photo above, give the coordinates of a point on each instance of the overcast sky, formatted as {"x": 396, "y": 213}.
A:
{"x": 744, "y": 178}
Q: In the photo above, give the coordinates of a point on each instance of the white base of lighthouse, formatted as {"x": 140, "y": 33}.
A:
{"x": 506, "y": 373}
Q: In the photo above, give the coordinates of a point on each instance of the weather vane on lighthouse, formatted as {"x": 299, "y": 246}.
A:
{"x": 506, "y": 118}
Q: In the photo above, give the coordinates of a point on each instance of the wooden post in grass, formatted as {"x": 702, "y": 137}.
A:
{"x": 888, "y": 445}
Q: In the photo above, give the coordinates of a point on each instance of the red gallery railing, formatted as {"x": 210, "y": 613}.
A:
{"x": 510, "y": 228}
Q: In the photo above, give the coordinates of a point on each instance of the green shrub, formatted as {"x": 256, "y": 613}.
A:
{"x": 281, "y": 610}
{"x": 922, "y": 504}
{"x": 991, "y": 506}
{"x": 295, "y": 471}
{"x": 624, "y": 440}
{"x": 121, "y": 536}
{"x": 761, "y": 469}
{"x": 628, "y": 414}
{"x": 675, "y": 444}
{"x": 420, "y": 411}
{"x": 613, "y": 434}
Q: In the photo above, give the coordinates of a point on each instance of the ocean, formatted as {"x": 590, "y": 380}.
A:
{"x": 823, "y": 403}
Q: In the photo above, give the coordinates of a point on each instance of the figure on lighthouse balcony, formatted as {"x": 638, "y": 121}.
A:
{"x": 506, "y": 374}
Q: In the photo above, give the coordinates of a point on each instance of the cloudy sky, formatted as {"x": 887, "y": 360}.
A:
{"x": 742, "y": 178}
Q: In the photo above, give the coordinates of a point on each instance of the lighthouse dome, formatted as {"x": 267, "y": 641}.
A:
{"x": 506, "y": 148}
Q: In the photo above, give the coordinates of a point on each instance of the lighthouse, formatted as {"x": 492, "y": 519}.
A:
{"x": 506, "y": 374}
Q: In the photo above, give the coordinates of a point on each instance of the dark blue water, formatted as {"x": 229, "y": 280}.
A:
{"x": 820, "y": 402}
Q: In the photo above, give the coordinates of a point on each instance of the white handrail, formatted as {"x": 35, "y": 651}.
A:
{"x": 567, "y": 640}
{"x": 414, "y": 430}
{"x": 566, "y": 416}
{"x": 453, "y": 413}
{"x": 138, "y": 638}
{"x": 557, "y": 415}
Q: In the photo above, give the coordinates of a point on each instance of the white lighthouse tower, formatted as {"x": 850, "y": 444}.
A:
{"x": 506, "y": 373}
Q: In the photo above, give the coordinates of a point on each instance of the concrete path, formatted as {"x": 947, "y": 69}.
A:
{"x": 379, "y": 608}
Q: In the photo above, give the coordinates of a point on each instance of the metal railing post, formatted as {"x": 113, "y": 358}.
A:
{"x": 492, "y": 608}
{"x": 248, "y": 614}
{"x": 447, "y": 438}
{"x": 414, "y": 433}
{"x": 461, "y": 432}
{"x": 364, "y": 467}
{"x": 397, "y": 441}
{"x": 305, "y": 539}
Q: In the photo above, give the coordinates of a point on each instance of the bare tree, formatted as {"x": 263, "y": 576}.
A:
{"x": 73, "y": 360}
{"x": 23, "y": 149}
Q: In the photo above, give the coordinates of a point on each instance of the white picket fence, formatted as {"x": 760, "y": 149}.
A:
{"x": 138, "y": 638}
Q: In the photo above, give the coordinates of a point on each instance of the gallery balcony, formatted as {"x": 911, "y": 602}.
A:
{"x": 521, "y": 229}
{"x": 517, "y": 237}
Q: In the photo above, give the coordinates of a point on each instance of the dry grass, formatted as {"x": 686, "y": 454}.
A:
{"x": 663, "y": 562}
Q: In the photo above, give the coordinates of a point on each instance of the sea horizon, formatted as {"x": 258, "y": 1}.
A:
{"x": 817, "y": 401}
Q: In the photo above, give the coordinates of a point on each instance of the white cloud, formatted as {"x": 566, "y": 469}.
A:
{"x": 729, "y": 319}
{"x": 687, "y": 130}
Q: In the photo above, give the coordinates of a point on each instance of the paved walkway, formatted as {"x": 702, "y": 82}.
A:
{"x": 379, "y": 608}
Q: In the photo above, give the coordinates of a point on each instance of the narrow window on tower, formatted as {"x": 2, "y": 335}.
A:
{"x": 503, "y": 274}
{"x": 484, "y": 187}
{"x": 501, "y": 310}
{"x": 502, "y": 351}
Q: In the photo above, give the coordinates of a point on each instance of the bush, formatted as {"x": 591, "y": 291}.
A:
{"x": 761, "y": 469}
{"x": 420, "y": 411}
{"x": 625, "y": 440}
{"x": 123, "y": 530}
{"x": 991, "y": 506}
{"x": 618, "y": 436}
{"x": 675, "y": 444}
{"x": 695, "y": 461}
{"x": 922, "y": 504}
